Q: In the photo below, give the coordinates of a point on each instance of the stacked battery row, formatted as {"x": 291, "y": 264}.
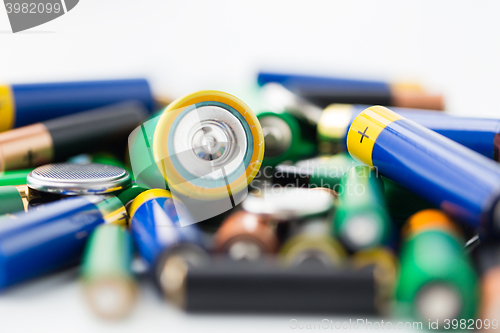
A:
{"x": 302, "y": 204}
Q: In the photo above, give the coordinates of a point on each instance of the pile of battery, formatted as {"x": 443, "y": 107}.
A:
{"x": 308, "y": 201}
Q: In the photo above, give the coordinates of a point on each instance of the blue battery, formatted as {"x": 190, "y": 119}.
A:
{"x": 461, "y": 182}
{"x": 25, "y": 104}
{"x": 159, "y": 223}
{"x": 342, "y": 86}
{"x": 52, "y": 236}
{"x": 323, "y": 91}
{"x": 479, "y": 134}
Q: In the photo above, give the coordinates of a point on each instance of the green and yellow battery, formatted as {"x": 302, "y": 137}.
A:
{"x": 108, "y": 281}
{"x": 361, "y": 219}
{"x": 312, "y": 244}
{"x": 13, "y": 199}
{"x": 287, "y": 138}
{"x": 207, "y": 146}
{"x": 437, "y": 281}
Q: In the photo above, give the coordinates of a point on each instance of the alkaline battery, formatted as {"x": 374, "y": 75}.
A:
{"x": 480, "y": 135}
{"x": 246, "y": 236}
{"x": 208, "y": 146}
{"x": 287, "y": 138}
{"x": 163, "y": 232}
{"x": 437, "y": 281}
{"x": 57, "y": 139}
{"x": 13, "y": 199}
{"x": 25, "y": 104}
{"x": 310, "y": 244}
{"x": 106, "y": 274}
{"x": 361, "y": 219}
{"x": 265, "y": 286}
{"x": 39, "y": 242}
{"x": 459, "y": 181}
{"x": 324, "y": 91}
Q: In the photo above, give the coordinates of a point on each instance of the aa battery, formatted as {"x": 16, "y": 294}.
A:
{"x": 162, "y": 229}
{"x": 108, "y": 281}
{"x": 57, "y": 139}
{"x": 463, "y": 183}
{"x": 361, "y": 219}
{"x": 287, "y": 138}
{"x": 52, "y": 237}
{"x": 13, "y": 199}
{"x": 437, "y": 281}
{"x": 25, "y": 104}
{"x": 207, "y": 146}
{"x": 246, "y": 236}
{"x": 310, "y": 244}
{"x": 324, "y": 91}
{"x": 263, "y": 286}
{"x": 480, "y": 135}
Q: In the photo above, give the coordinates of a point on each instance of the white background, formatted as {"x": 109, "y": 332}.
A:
{"x": 451, "y": 47}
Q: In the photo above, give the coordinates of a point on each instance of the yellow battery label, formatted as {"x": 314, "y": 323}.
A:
{"x": 365, "y": 129}
{"x": 6, "y": 108}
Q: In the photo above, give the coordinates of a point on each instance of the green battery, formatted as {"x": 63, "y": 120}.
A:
{"x": 14, "y": 177}
{"x": 13, "y": 199}
{"x": 437, "y": 282}
{"x": 108, "y": 281}
{"x": 361, "y": 219}
{"x": 327, "y": 171}
{"x": 287, "y": 138}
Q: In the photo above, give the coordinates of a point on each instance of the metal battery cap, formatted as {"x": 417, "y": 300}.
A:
{"x": 78, "y": 179}
{"x": 289, "y": 203}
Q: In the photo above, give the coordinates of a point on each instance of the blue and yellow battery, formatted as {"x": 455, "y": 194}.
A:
{"x": 53, "y": 237}
{"x": 361, "y": 219}
{"x": 459, "y": 181}
{"x": 323, "y": 91}
{"x": 287, "y": 138}
{"x": 480, "y": 135}
{"x": 25, "y": 104}
{"x": 208, "y": 146}
{"x": 437, "y": 281}
{"x": 109, "y": 284}
{"x": 163, "y": 232}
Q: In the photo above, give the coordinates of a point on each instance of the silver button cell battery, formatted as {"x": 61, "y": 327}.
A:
{"x": 78, "y": 179}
